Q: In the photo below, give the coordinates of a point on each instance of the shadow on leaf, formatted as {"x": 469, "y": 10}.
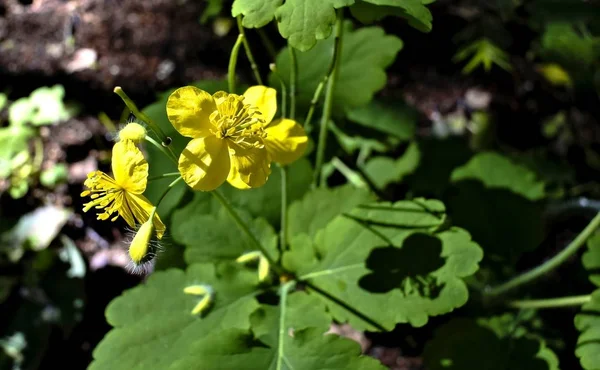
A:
{"x": 407, "y": 268}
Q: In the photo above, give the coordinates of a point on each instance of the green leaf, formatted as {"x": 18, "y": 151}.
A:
{"x": 292, "y": 337}
{"x": 153, "y": 326}
{"x": 365, "y": 55}
{"x": 3, "y": 100}
{"x": 417, "y": 15}
{"x": 303, "y": 22}
{"x": 591, "y": 258}
{"x": 588, "y": 324}
{"x": 464, "y": 344}
{"x": 257, "y": 13}
{"x": 410, "y": 265}
{"x": 214, "y": 236}
{"x": 317, "y": 208}
{"x": 398, "y": 120}
{"x": 482, "y": 52}
{"x": 498, "y": 172}
{"x": 561, "y": 43}
{"x": 44, "y": 106}
{"x": 385, "y": 170}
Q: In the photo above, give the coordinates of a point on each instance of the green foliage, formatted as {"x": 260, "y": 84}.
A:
{"x": 153, "y": 323}
{"x": 313, "y": 212}
{"x": 384, "y": 170}
{"x": 390, "y": 238}
{"x": 588, "y": 324}
{"x": 498, "y": 172}
{"x": 414, "y": 11}
{"x": 482, "y": 52}
{"x": 365, "y": 55}
{"x": 43, "y": 107}
{"x": 464, "y": 344}
{"x": 395, "y": 119}
{"x": 213, "y": 236}
{"x": 591, "y": 258}
{"x": 304, "y": 22}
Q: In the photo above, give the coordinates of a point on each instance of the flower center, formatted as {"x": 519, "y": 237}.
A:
{"x": 241, "y": 123}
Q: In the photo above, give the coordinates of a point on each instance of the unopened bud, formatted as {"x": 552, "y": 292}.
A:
{"x": 134, "y": 132}
{"x": 140, "y": 245}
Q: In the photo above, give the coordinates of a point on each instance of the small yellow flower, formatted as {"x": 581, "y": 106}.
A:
{"x": 205, "y": 292}
{"x": 233, "y": 136}
{"x": 133, "y": 131}
{"x": 123, "y": 194}
{"x": 264, "y": 267}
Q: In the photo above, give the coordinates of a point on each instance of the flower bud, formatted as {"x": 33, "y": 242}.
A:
{"x": 134, "y": 132}
{"x": 140, "y": 245}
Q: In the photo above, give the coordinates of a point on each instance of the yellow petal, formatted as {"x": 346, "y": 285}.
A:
{"x": 204, "y": 163}
{"x": 250, "y": 167}
{"x": 141, "y": 208}
{"x": 129, "y": 167}
{"x": 138, "y": 250}
{"x": 264, "y": 98}
{"x": 189, "y": 109}
{"x": 286, "y": 141}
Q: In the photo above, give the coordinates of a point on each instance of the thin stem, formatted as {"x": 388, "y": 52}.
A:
{"x": 550, "y": 264}
{"x": 233, "y": 62}
{"x": 253, "y": 64}
{"x": 273, "y": 69}
{"x": 169, "y": 187}
{"x": 166, "y": 141}
{"x": 245, "y": 229}
{"x": 293, "y": 80}
{"x": 319, "y": 90}
{"x": 164, "y": 175}
{"x": 162, "y": 149}
{"x": 350, "y": 175}
{"x": 551, "y": 302}
{"x": 328, "y": 104}
{"x": 282, "y": 331}
{"x": 284, "y": 197}
{"x": 267, "y": 43}
{"x": 346, "y": 306}
{"x": 38, "y": 154}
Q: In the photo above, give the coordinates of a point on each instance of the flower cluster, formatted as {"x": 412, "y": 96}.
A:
{"x": 234, "y": 138}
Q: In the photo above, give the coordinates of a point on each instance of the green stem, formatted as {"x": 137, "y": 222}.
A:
{"x": 162, "y": 149}
{"x": 550, "y": 264}
{"x": 164, "y": 175}
{"x": 253, "y": 64}
{"x": 328, "y": 104}
{"x": 38, "y": 154}
{"x": 284, "y": 197}
{"x": 350, "y": 175}
{"x": 233, "y": 62}
{"x": 273, "y": 69}
{"x": 345, "y": 306}
{"x": 167, "y": 190}
{"x": 282, "y": 331}
{"x": 245, "y": 229}
{"x": 319, "y": 90}
{"x": 166, "y": 141}
{"x": 551, "y": 302}
{"x": 293, "y": 80}
{"x": 267, "y": 43}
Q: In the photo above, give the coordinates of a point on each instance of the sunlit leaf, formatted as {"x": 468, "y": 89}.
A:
{"x": 153, "y": 326}
{"x": 365, "y": 55}
{"x": 317, "y": 208}
{"x": 385, "y": 255}
{"x": 485, "y": 53}
{"x": 591, "y": 258}
{"x": 385, "y": 170}
{"x": 498, "y": 172}
{"x": 291, "y": 337}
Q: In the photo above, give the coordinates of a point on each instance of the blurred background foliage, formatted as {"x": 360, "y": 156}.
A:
{"x": 494, "y": 111}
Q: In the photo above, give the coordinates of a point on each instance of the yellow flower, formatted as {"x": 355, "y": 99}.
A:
{"x": 123, "y": 194}
{"x": 233, "y": 136}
